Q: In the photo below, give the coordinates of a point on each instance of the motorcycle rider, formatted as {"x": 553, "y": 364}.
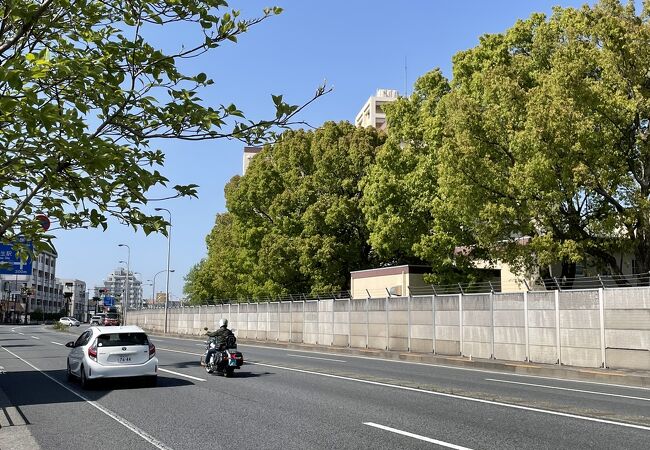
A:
{"x": 219, "y": 336}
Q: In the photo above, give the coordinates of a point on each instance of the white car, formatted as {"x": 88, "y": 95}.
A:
{"x": 69, "y": 321}
{"x": 112, "y": 352}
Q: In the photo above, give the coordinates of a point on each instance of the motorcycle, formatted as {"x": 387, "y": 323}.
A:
{"x": 225, "y": 360}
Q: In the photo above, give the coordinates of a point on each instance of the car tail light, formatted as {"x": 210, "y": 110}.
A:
{"x": 152, "y": 350}
{"x": 92, "y": 351}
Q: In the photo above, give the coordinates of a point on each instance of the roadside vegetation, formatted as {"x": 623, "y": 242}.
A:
{"x": 536, "y": 152}
{"x": 86, "y": 96}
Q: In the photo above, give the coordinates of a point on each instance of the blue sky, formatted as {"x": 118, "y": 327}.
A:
{"x": 357, "y": 46}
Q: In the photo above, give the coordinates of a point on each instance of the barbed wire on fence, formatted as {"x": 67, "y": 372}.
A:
{"x": 483, "y": 287}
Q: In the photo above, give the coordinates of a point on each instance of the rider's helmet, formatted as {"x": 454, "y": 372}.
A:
{"x": 223, "y": 323}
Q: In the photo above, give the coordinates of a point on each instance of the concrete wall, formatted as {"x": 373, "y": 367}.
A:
{"x": 590, "y": 328}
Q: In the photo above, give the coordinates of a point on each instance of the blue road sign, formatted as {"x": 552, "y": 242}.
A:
{"x": 11, "y": 264}
{"x": 109, "y": 301}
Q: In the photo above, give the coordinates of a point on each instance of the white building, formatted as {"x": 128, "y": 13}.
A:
{"x": 372, "y": 114}
{"x": 39, "y": 292}
{"x": 115, "y": 285}
{"x": 249, "y": 154}
{"x": 77, "y": 306}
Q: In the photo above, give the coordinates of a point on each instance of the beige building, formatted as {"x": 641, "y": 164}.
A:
{"x": 372, "y": 113}
{"x": 386, "y": 281}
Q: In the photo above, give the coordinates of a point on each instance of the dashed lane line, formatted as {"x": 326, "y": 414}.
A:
{"x": 441, "y": 394}
{"x": 569, "y": 389}
{"x": 181, "y": 374}
{"x": 416, "y": 436}
{"x": 122, "y": 421}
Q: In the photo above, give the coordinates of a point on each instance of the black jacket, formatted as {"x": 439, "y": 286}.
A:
{"x": 220, "y": 336}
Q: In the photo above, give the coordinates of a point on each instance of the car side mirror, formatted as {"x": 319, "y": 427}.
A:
{"x": 70, "y": 344}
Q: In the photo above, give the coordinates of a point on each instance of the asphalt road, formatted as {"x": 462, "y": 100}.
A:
{"x": 285, "y": 398}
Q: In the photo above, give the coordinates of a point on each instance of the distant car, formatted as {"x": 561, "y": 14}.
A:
{"x": 69, "y": 321}
{"x": 112, "y": 352}
{"x": 97, "y": 319}
{"x": 111, "y": 319}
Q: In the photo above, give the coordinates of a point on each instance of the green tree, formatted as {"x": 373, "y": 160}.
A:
{"x": 546, "y": 135}
{"x": 83, "y": 95}
{"x": 294, "y": 220}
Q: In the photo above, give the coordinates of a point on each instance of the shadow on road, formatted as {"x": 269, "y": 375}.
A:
{"x": 18, "y": 345}
{"x": 33, "y": 388}
{"x": 182, "y": 364}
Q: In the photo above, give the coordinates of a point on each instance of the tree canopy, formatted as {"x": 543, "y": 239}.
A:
{"x": 541, "y": 138}
{"x": 84, "y": 96}
{"x": 294, "y": 222}
{"x": 546, "y": 131}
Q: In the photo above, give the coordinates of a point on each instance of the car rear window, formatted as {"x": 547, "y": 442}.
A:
{"x": 121, "y": 339}
{"x": 112, "y": 316}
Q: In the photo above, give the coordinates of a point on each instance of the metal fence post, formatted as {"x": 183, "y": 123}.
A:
{"x": 304, "y": 321}
{"x": 557, "y": 326}
{"x": 526, "y": 335}
{"x": 460, "y": 321}
{"x": 387, "y": 338}
{"x": 290, "y": 321}
{"x": 367, "y": 321}
{"x": 332, "y": 343}
{"x": 492, "y": 321}
{"x": 601, "y": 308}
{"x": 349, "y": 320}
{"x": 433, "y": 323}
{"x": 408, "y": 330}
{"x": 257, "y": 320}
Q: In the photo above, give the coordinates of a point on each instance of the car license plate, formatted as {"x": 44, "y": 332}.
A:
{"x": 232, "y": 362}
{"x": 124, "y": 359}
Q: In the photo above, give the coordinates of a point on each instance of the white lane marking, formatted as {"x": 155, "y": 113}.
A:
{"x": 458, "y": 397}
{"x": 21, "y": 333}
{"x": 57, "y": 343}
{"x": 416, "y": 436}
{"x": 34, "y": 337}
{"x": 314, "y": 357}
{"x": 181, "y": 374}
{"x": 442, "y": 366}
{"x": 569, "y": 389}
{"x": 153, "y": 441}
{"x": 441, "y": 394}
{"x": 200, "y": 344}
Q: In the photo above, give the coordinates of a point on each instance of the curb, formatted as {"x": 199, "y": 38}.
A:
{"x": 611, "y": 376}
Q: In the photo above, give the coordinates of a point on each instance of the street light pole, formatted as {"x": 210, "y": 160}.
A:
{"x": 153, "y": 287}
{"x": 128, "y": 271}
{"x": 169, "y": 249}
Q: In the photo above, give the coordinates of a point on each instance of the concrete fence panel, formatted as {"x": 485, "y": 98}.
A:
{"x": 580, "y": 328}
{"x": 326, "y": 321}
{"x": 421, "y": 324}
{"x": 542, "y": 327}
{"x": 447, "y": 315}
{"x": 627, "y": 328}
{"x": 311, "y": 322}
{"x": 358, "y": 324}
{"x": 587, "y": 328}
{"x": 377, "y": 323}
{"x": 343, "y": 322}
{"x": 509, "y": 327}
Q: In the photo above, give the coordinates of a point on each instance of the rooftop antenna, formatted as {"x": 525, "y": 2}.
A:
{"x": 406, "y": 92}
